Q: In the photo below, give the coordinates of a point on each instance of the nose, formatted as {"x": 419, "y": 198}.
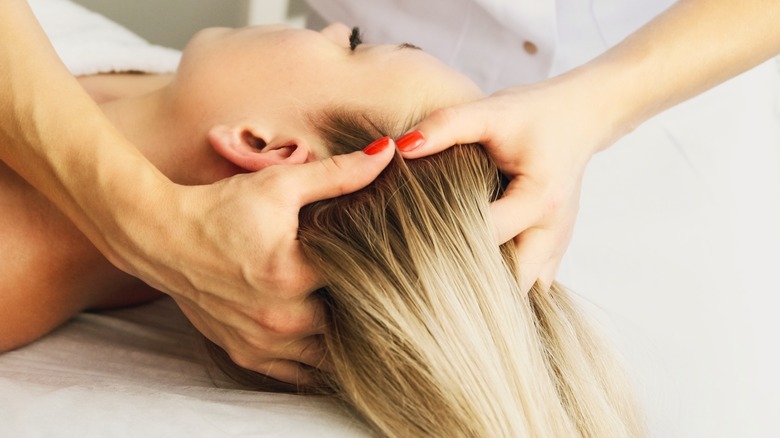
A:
{"x": 338, "y": 33}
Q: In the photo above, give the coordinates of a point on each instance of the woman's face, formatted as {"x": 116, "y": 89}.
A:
{"x": 270, "y": 78}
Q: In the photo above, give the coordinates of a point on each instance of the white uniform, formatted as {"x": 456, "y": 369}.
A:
{"x": 678, "y": 238}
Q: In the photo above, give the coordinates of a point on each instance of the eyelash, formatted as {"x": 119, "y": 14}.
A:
{"x": 355, "y": 38}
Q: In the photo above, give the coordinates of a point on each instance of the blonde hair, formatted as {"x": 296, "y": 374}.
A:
{"x": 429, "y": 333}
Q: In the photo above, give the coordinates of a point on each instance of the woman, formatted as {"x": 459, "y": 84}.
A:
{"x": 254, "y": 117}
{"x": 424, "y": 313}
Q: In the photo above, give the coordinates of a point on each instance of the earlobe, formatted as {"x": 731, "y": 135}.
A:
{"x": 251, "y": 151}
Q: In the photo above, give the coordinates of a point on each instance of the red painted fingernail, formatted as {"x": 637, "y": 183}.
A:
{"x": 377, "y": 146}
{"x": 410, "y": 141}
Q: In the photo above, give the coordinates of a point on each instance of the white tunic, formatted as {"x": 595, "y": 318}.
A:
{"x": 497, "y": 43}
{"x": 678, "y": 238}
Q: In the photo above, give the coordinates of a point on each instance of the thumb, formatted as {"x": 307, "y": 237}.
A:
{"x": 341, "y": 174}
{"x": 445, "y": 127}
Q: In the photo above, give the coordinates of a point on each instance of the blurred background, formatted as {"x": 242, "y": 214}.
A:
{"x": 171, "y": 23}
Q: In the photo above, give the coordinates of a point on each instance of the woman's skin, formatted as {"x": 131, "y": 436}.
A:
{"x": 559, "y": 124}
{"x": 240, "y": 102}
{"x": 245, "y": 286}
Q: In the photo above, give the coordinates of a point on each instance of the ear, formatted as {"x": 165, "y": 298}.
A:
{"x": 248, "y": 149}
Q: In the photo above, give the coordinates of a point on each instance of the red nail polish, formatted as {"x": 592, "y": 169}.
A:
{"x": 410, "y": 141}
{"x": 377, "y": 146}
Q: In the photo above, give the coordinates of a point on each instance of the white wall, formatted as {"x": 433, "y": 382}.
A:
{"x": 171, "y": 23}
{"x": 291, "y": 12}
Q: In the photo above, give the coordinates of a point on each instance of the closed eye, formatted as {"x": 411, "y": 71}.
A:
{"x": 355, "y": 38}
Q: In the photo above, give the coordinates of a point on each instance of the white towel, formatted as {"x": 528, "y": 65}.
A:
{"x": 89, "y": 43}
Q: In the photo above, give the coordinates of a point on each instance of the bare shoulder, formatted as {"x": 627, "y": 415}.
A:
{"x": 49, "y": 270}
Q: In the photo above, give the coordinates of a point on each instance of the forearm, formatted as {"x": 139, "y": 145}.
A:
{"x": 693, "y": 46}
{"x": 56, "y": 137}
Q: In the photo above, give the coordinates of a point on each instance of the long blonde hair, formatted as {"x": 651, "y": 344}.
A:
{"x": 429, "y": 333}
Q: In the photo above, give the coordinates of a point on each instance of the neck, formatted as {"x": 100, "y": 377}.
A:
{"x": 144, "y": 113}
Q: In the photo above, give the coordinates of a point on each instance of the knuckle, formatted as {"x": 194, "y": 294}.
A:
{"x": 284, "y": 325}
{"x": 333, "y": 169}
{"x": 243, "y": 360}
{"x": 287, "y": 283}
{"x": 275, "y": 179}
{"x": 255, "y": 347}
{"x": 447, "y": 116}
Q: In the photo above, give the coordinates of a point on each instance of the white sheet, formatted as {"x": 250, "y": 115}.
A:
{"x": 89, "y": 43}
{"x": 143, "y": 372}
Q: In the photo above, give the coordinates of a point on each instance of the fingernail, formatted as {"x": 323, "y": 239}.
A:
{"x": 410, "y": 141}
{"x": 377, "y": 146}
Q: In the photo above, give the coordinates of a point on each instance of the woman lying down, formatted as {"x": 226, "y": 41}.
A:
{"x": 428, "y": 333}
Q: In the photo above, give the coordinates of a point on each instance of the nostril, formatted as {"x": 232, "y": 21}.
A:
{"x": 251, "y": 140}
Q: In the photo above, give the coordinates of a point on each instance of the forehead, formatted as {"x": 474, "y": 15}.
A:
{"x": 302, "y": 68}
{"x": 387, "y": 68}
{"x": 402, "y": 79}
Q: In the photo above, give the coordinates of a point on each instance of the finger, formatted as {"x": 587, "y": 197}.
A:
{"x": 302, "y": 277}
{"x": 339, "y": 174}
{"x": 287, "y": 371}
{"x": 528, "y": 275}
{"x": 283, "y": 321}
{"x": 460, "y": 124}
{"x": 532, "y": 257}
{"x": 319, "y": 315}
{"x": 308, "y": 318}
{"x": 514, "y": 213}
{"x": 309, "y": 351}
{"x": 548, "y": 273}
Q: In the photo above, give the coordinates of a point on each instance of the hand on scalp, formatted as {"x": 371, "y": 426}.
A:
{"x": 246, "y": 284}
{"x": 541, "y": 137}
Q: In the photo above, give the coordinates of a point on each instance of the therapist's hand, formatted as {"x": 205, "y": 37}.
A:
{"x": 226, "y": 252}
{"x": 231, "y": 259}
{"x": 541, "y": 137}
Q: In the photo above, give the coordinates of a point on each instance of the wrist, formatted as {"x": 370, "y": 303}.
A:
{"x": 600, "y": 108}
{"x": 125, "y": 203}
{"x": 619, "y": 98}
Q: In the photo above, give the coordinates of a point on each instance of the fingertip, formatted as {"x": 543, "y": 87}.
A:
{"x": 529, "y": 276}
{"x": 377, "y": 146}
{"x": 548, "y": 273}
{"x": 526, "y": 284}
{"x": 380, "y": 152}
{"x": 415, "y": 144}
{"x": 378, "y": 159}
{"x": 410, "y": 141}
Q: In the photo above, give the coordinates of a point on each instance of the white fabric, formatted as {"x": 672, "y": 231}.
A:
{"x": 455, "y": 32}
{"x": 141, "y": 372}
{"x": 485, "y": 38}
{"x": 677, "y": 243}
{"x": 89, "y": 43}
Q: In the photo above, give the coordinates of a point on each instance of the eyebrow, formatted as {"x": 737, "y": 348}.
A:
{"x": 408, "y": 46}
